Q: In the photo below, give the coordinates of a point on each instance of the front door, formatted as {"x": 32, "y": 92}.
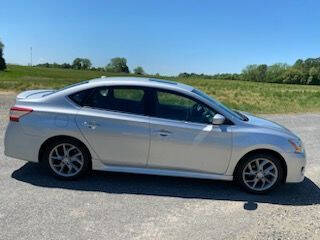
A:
{"x": 183, "y": 138}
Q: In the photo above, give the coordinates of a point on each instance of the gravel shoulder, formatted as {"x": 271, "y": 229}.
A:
{"x": 125, "y": 206}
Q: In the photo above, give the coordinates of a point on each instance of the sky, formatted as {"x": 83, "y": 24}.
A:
{"x": 162, "y": 36}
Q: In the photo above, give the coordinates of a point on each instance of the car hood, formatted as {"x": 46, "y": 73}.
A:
{"x": 264, "y": 123}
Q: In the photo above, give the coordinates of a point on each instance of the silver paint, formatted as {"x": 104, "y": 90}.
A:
{"x": 143, "y": 144}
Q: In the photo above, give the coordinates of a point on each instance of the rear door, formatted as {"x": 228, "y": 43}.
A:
{"x": 183, "y": 138}
{"x": 114, "y": 122}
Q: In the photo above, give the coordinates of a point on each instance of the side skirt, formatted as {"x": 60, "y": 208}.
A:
{"x": 97, "y": 165}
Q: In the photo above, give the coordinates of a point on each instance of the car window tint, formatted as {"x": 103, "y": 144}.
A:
{"x": 98, "y": 98}
{"x": 80, "y": 97}
{"x": 127, "y": 100}
{"x": 128, "y": 94}
{"x": 177, "y": 107}
{"x": 165, "y": 98}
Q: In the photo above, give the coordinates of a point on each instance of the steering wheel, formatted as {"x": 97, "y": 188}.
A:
{"x": 196, "y": 112}
{"x": 200, "y": 113}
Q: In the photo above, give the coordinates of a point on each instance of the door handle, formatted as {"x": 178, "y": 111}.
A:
{"x": 163, "y": 132}
{"x": 91, "y": 125}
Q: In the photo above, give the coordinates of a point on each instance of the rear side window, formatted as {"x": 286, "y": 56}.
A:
{"x": 80, "y": 97}
{"x": 120, "y": 99}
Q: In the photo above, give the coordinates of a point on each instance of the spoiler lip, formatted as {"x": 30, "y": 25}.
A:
{"x": 29, "y": 93}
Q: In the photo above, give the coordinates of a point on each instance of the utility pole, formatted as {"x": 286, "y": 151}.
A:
{"x": 31, "y": 56}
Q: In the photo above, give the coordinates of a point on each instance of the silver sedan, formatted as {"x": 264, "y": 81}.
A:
{"x": 150, "y": 126}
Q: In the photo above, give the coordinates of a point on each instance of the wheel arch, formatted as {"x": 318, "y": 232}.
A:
{"x": 57, "y": 138}
{"x": 265, "y": 151}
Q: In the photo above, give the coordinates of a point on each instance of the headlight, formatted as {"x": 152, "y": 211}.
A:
{"x": 297, "y": 145}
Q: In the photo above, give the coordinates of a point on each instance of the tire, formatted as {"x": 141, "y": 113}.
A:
{"x": 259, "y": 173}
{"x": 67, "y": 159}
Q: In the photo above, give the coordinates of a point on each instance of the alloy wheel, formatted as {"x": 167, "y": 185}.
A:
{"x": 66, "y": 160}
{"x": 260, "y": 174}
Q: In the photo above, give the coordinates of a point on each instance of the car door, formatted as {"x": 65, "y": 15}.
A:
{"x": 114, "y": 123}
{"x": 183, "y": 138}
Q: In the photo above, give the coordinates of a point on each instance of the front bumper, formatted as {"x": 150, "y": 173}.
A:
{"x": 296, "y": 163}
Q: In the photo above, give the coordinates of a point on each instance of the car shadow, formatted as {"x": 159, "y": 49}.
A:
{"x": 301, "y": 194}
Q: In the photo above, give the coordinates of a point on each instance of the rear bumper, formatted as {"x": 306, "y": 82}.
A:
{"x": 19, "y": 145}
{"x": 296, "y": 163}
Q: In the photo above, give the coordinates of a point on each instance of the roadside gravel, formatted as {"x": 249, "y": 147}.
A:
{"x": 124, "y": 206}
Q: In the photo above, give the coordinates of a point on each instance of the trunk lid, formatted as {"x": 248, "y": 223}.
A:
{"x": 34, "y": 94}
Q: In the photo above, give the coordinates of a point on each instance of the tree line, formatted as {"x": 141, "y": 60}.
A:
{"x": 301, "y": 72}
{"x": 116, "y": 65}
{"x": 225, "y": 76}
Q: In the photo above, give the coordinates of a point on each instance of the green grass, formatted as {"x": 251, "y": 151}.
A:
{"x": 247, "y": 96}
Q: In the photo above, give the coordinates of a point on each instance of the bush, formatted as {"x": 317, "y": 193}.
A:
{"x": 139, "y": 70}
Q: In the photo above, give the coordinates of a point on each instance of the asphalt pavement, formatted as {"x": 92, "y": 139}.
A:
{"x": 33, "y": 205}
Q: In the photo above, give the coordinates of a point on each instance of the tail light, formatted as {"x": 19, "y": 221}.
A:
{"x": 17, "y": 112}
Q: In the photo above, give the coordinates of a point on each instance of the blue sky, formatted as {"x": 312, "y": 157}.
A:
{"x": 165, "y": 36}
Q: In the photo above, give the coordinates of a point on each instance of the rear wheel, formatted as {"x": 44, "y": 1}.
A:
{"x": 259, "y": 173}
{"x": 67, "y": 159}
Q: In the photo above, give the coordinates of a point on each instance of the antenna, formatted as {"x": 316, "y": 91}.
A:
{"x": 31, "y": 56}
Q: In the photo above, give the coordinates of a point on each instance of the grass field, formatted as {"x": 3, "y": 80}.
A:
{"x": 247, "y": 96}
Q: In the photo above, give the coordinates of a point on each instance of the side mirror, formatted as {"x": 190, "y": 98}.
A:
{"x": 218, "y": 119}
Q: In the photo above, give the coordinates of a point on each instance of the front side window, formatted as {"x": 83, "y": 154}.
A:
{"x": 177, "y": 107}
{"x": 217, "y": 103}
{"x": 121, "y": 99}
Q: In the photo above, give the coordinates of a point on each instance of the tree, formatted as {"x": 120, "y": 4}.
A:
{"x": 86, "y": 63}
{"x": 81, "y": 63}
{"x": 250, "y": 73}
{"x": 76, "y": 64}
{"x": 66, "y": 65}
{"x": 298, "y": 64}
{"x": 3, "y": 65}
{"x": 293, "y": 75}
{"x": 275, "y": 72}
{"x": 139, "y": 70}
{"x": 255, "y": 73}
{"x": 314, "y": 76}
{"x": 262, "y": 70}
{"x": 118, "y": 65}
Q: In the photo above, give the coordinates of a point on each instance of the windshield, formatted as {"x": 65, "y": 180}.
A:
{"x": 235, "y": 114}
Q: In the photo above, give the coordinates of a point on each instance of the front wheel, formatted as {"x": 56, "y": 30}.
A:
{"x": 259, "y": 173}
{"x": 66, "y": 159}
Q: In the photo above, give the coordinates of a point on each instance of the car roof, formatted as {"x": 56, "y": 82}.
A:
{"x": 142, "y": 81}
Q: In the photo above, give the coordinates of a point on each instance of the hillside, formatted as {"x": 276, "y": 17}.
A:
{"x": 246, "y": 96}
